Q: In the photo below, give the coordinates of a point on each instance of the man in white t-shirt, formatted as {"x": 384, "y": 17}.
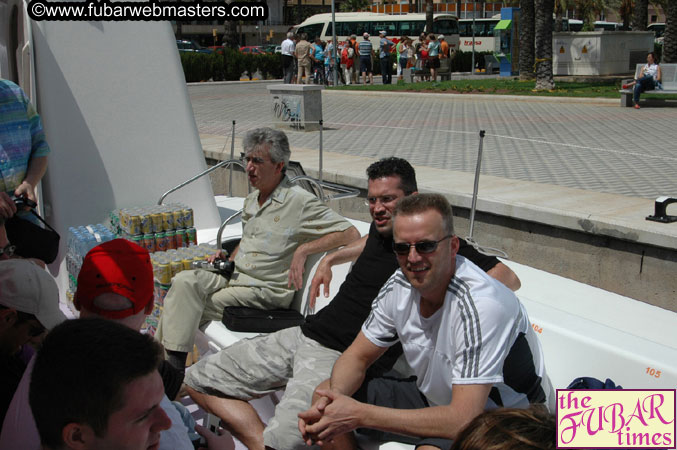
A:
{"x": 287, "y": 49}
{"x": 466, "y": 337}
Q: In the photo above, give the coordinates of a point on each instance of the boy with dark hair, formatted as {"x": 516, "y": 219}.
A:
{"x": 95, "y": 384}
{"x": 114, "y": 283}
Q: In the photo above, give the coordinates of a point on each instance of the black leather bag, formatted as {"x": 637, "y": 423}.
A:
{"x": 252, "y": 320}
{"x": 31, "y": 240}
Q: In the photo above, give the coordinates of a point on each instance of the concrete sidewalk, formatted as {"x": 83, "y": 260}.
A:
{"x": 565, "y": 187}
{"x": 582, "y": 164}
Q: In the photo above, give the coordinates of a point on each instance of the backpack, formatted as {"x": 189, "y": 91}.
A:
{"x": 592, "y": 383}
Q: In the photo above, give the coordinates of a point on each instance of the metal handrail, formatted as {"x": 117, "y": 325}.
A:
{"x": 229, "y": 162}
{"x": 344, "y": 191}
{"x": 223, "y": 226}
{"x": 473, "y": 208}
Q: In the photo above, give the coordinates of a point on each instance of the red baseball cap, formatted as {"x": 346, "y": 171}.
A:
{"x": 120, "y": 267}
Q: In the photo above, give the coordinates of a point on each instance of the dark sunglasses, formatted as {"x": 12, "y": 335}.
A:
{"x": 402, "y": 248}
{"x": 8, "y": 250}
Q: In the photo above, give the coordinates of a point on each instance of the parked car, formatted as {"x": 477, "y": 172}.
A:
{"x": 270, "y": 48}
{"x": 216, "y": 48}
{"x": 255, "y": 49}
{"x": 278, "y": 49}
{"x": 190, "y": 46}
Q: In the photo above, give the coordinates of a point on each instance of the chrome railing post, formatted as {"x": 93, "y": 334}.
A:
{"x": 477, "y": 184}
{"x": 321, "y": 151}
{"x": 232, "y": 156}
{"x": 201, "y": 174}
{"x": 223, "y": 226}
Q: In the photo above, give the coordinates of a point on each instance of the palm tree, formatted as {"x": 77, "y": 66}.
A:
{"x": 526, "y": 37}
{"x": 626, "y": 9}
{"x": 561, "y": 6}
{"x": 543, "y": 28}
{"x": 640, "y": 18}
{"x": 230, "y": 37}
{"x": 670, "y": 36}
{"x": 353, "y": 5}
{"x": 589, "y": 10}
{"x": 429, "y": 15}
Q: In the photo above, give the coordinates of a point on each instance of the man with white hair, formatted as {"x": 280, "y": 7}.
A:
{"x": 282, "y": 225}
{"x": 287, "y": 48}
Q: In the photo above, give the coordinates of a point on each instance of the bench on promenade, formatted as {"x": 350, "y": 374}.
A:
{"x": 444, "y": 71}
{"x": 668, "y": 80}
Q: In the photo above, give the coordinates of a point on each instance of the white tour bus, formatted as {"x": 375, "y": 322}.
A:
{"x": 396, "y": 26}
{"x": 484, "y": 31}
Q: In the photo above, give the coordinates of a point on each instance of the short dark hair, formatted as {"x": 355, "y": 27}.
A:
{"x": 392, "y": 166}
{"x": 414, "y": 204}
{"x": 509, "y": 429}
{"x": 81, "y": 373}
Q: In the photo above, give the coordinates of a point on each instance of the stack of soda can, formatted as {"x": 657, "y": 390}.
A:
{"x": 157, "y": 228}
{"x": 166, "y": 264}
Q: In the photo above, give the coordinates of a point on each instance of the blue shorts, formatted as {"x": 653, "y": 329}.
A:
{"x": 365, "y": 64}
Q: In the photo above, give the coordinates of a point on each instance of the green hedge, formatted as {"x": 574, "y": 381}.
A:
{"x": 228, "y": 65}
{"x": 462, "y": 61}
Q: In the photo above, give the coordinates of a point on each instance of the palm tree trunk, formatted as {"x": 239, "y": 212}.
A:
{"x": 429, "y": 15}
{"x": 558, "y": 16}
{"x": 670, "y": 40}
{"x": 626, "y": 13}
{"x": 526, "y": 37}
{"x": 230, "y": 38}
{"x": 640, "y": 18}
{"x": 543, "y": 28}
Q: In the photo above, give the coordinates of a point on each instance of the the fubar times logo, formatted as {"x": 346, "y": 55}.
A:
{"x": 627, "y": 419}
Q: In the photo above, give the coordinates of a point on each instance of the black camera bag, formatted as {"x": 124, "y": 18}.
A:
{"x": 253, "y": 320}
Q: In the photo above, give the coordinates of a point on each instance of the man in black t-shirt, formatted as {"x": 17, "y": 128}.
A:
{"x": 302, "y": 357}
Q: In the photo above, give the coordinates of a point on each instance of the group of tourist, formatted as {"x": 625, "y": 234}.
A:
{"x": 316, "y": 61}
{"x": 302, "y": 59}
{"x": 415, "y": 293}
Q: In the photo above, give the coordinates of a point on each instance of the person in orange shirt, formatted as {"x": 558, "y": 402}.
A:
{"x": 444, "y": 47}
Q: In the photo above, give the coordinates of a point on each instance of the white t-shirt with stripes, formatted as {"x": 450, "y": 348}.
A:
{"x": 467, "y": 341}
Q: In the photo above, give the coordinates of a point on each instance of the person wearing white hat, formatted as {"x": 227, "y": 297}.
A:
{"x": 29, "y": 305}
{"x": 385, "y": 48}
{"x": 444, "y": 47}
{"x": 366, "y": 50}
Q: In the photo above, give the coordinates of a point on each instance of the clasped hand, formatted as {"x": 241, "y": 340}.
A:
{"x": 330, "y": 416}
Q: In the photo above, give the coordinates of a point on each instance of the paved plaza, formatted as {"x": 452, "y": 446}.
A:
{"x": 587, "y": 144}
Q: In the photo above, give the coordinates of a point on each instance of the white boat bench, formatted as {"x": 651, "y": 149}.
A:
{"x": 668, "y": 80}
